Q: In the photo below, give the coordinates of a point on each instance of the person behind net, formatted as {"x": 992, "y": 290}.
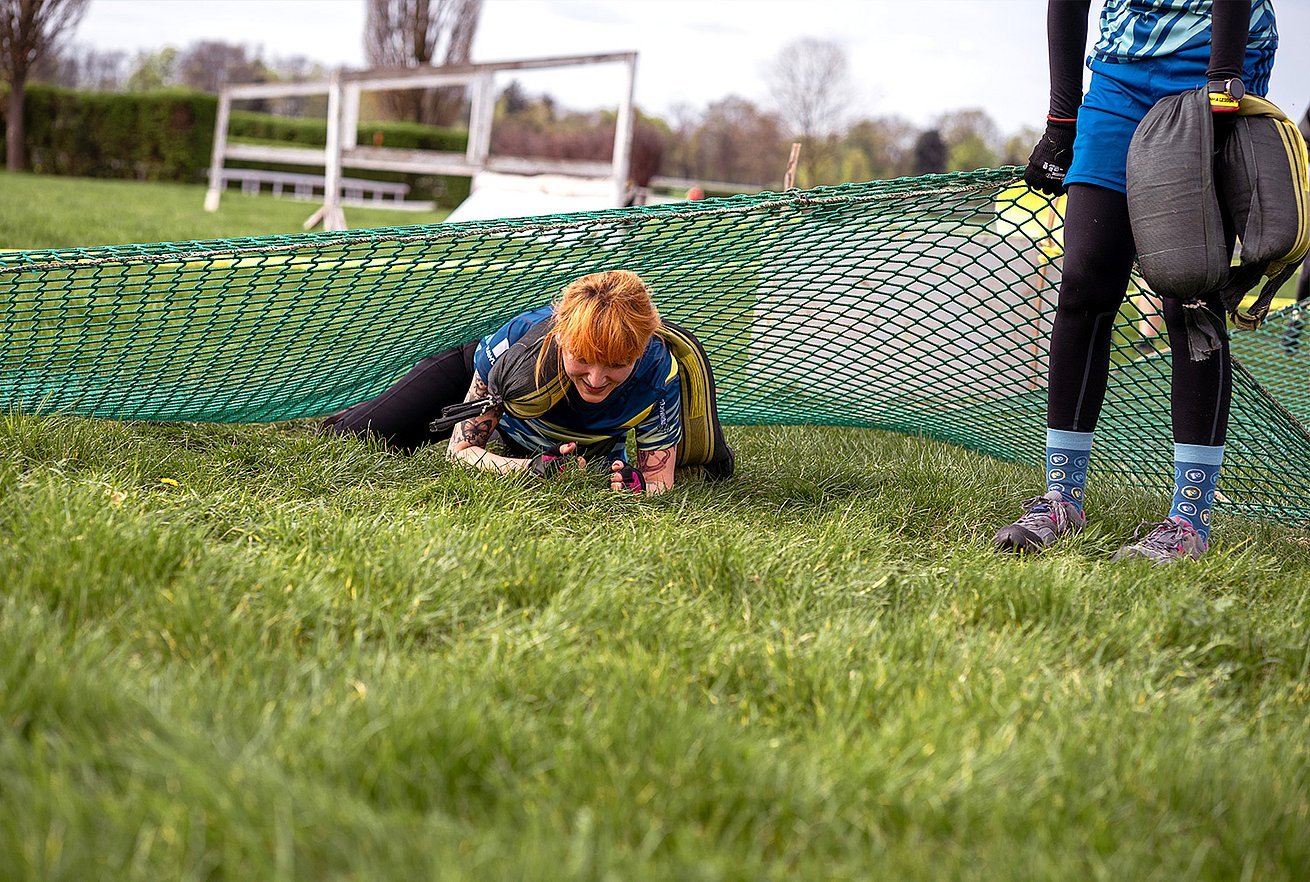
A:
{"x": 1145, "y": 51}
{"x": 617, "y": 376}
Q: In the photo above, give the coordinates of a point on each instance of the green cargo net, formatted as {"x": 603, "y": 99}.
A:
{"x": 917, "y": 305}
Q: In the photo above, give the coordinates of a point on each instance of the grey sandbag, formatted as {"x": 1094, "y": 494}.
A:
{"x": 1172, "y": 201}
{"x": 1262, "y": 184}
{"x": 1179, "y": 194}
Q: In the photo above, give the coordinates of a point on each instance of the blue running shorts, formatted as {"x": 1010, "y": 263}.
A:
{"x": 1121, "y": 94}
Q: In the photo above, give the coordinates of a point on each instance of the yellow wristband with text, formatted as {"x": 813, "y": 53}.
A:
{"x": 1222, "y": 102}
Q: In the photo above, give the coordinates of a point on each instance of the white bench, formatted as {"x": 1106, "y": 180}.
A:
{"x": 310, "y": 187}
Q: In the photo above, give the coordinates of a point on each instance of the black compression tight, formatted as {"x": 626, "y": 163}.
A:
{"x": 1098, "y": 259}
{"x": 400, "y": 415}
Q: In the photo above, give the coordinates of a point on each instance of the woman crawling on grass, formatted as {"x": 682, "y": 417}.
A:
{"x": 561, "y": 386}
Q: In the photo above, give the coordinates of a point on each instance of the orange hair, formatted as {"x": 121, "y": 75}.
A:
{"x": 604, "y": 318}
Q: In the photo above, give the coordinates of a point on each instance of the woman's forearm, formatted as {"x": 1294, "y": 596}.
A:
{"x": 1066, "y": 42}
{"x": 1230, "y": 25}
{"x": 657, "y": 467}
{"x": 481, "y": 458}
{"x": 468, "y": 440}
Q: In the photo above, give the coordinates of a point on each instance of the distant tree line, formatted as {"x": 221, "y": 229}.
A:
{"x": 734, "y": 140}
{"x": 731, "y": 139}
{"x": 205, "y": 66}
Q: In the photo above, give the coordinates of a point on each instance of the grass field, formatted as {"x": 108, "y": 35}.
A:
{"x": 252, "y": 652}
{"x": 51, "y": 212}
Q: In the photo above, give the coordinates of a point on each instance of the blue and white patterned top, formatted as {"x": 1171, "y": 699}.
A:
{"x": 1135, "y": 29}
{"x": 649, "y": 401}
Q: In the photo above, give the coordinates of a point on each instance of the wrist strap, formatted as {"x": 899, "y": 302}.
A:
{"x": 1058, "y": 119}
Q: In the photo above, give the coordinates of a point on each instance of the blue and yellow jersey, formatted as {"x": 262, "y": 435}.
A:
{"x": 1132, "y": 30}
{"x": 649, "y": 401}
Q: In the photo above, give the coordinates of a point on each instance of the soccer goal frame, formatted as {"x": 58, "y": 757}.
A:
{"x": 342, "y": 150}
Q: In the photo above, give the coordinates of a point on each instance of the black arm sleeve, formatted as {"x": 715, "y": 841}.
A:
{"x": 1230, "y": 22}
{"x": 1066, "y": 40}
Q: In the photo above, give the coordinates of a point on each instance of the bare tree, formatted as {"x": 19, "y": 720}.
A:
{"x": 810, "y": 84}
{"x": 209, "y": 64}
{"x": 733, "y": 140}
{"x": 647, "y": 154}
{"x": 296, "y": 69}
{"x": 960, "y": 124}
{"x": 415, "y": 33}
{"x": 29, "y": 30}
{"x": 534, "y": 126}
{"x": 82, "y": 67}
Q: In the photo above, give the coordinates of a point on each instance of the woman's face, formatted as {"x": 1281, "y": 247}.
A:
{"x": 595, "y": 382}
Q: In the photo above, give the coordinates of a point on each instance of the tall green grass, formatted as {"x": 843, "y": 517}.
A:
{"x": 244, "y": 652}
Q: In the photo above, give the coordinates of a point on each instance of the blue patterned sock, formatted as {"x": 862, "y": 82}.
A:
{"x": 1067, "y": 454}
{"x": 1196, "y": 475}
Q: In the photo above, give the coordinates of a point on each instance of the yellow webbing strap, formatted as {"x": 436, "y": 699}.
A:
{"x": 699, "y": 443}
{"x": 1298, "y": 160}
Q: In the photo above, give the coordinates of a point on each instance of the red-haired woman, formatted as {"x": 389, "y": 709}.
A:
{"x": 596, "y": 348}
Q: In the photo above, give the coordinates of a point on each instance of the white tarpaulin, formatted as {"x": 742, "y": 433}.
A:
{"x": 496, "y": 195}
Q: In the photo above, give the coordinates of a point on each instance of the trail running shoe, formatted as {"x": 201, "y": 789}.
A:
{"x": 1169, "y": 540}
{"x": 1045, "y": 519}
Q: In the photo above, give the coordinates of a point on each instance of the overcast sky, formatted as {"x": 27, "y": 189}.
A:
{"x": 913, "y": 58}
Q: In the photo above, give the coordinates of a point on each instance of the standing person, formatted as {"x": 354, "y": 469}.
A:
{"x": 1145, "y": 51}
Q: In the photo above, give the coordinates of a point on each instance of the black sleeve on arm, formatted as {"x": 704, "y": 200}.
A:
{"x": 1066, "y": 41}
{"x": 1230, "y": 20}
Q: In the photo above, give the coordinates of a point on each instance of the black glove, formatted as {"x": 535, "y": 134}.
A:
{"x": 631, "y": 479}
{"x": 1051, "y": 158}
{"x": 550, "y": 462}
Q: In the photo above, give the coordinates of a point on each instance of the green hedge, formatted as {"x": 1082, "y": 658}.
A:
{"x": 168, "y": 136}
{"x": 149, "y": 136}
{"x": 248, "y": 125}
{"x": 448, "y": 191}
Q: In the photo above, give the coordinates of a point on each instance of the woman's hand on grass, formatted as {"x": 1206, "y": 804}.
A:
{"x": 652, "y": 475}
{"x": 555, "y": 459}
{"x": 625, "y": 478}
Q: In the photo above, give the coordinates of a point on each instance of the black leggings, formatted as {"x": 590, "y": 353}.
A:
{"x": 1098, "y": 258}
{"x": 401, "y": 414}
